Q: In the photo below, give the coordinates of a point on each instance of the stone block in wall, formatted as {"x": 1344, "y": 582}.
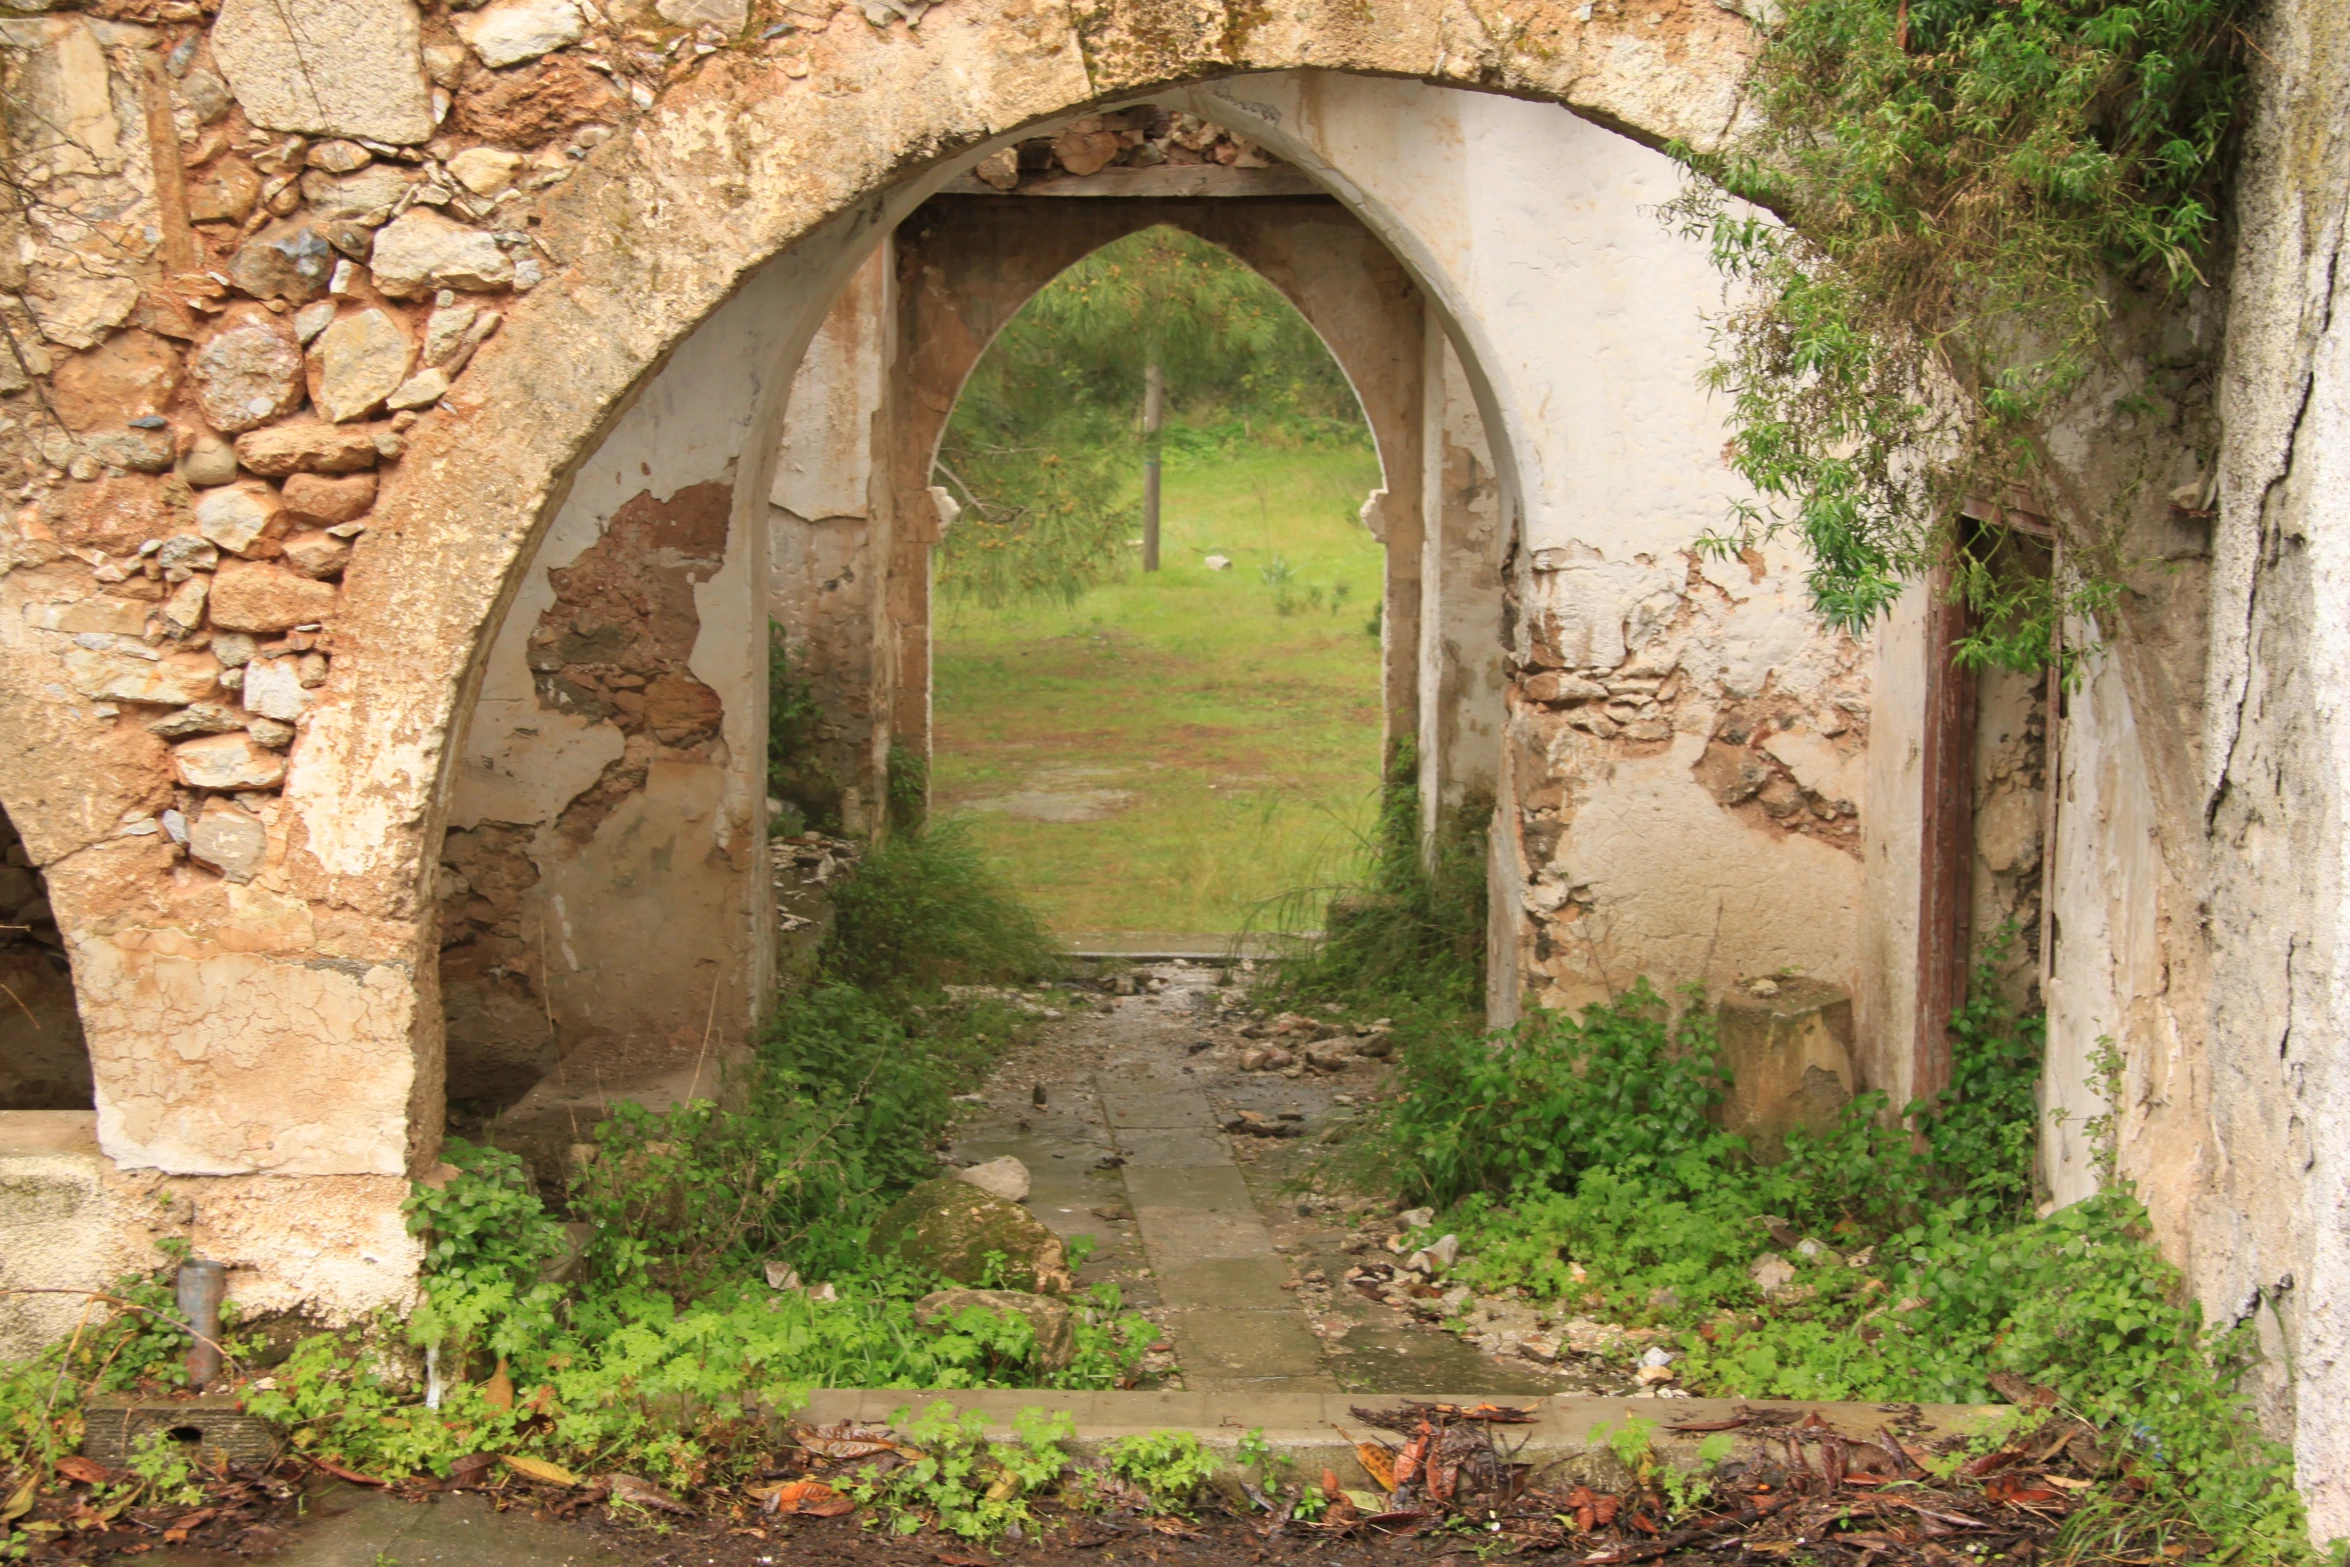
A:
{"x": 327, "y": 67}
{"x": 1787, "y": 1050}
{"x": 63, "y": 1226}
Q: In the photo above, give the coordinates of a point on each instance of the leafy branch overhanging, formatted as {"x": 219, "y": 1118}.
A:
{"x": 1925, "y": 236}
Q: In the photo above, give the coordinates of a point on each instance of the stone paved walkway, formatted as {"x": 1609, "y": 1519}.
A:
{"x": 1203, "y": 1229}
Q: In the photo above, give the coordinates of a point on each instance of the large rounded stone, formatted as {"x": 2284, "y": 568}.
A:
{"x": 1056, "y": 1340}
{"x": 1006, "y": 1178}
{"x": 327, "y": 67}
{"x": 293, "y": 267}
{"x": 420, "y": 251}
{"x": 235, "y": 516}
{"x": 951, "y": 1227}
{"x": 307, "y": 448}
{"x": 249, "y": 373}
{"x": 356, "y": 364}
{"x": 254, "y": 595}
{"x": 512, "y": 31}
{"x": 230, "y": 761}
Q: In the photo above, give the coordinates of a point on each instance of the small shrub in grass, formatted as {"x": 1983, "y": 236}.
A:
{"x": 965, "y": 1484}
{"x": 1583, "y": 1169}
{"x": 1531, "y": 1107}
{"x": 926, "y": 909}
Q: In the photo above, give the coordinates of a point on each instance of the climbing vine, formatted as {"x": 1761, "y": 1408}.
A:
{"x": 1940, "y": 212}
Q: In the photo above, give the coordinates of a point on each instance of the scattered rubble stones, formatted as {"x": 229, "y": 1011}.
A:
{"x": 293, "y": 267}
{"x": 273, "y": 688}
{"x": 308, "y": 448}
{"x": 109, "y": 674}
{"x": 1006, "y": 1177}
{"x": 209, "y": 461}
{"x": 226, "y": 192}
{"x": 316, "y": 553}
{"x": 951, "y": 1226}
{"x": 326, "y": 499}
{"x": 421, "y": 251}
{"x": 512, "y": 31}
{"x": 231, "y": 841}
{"x": 357, "y": 363}
{"x": 237, "y": 516}
{"x": 368, "y": 192}
{"x": 227, "y": 762}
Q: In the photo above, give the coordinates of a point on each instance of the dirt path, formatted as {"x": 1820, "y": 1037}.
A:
{"x": 1118, "y": 1111}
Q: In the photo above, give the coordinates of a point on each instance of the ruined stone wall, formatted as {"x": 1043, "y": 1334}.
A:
{"x": 2266, "y": 1207}
{"x": 410, "y": 384}
{"x": 829, "y": 532}
{"x": 1681, "y": 762}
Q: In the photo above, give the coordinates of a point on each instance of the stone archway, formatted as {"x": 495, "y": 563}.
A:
{"x": 300, "y": 1006}
{"x": 968, "y": 264}
{"x": 1605, "y": 467}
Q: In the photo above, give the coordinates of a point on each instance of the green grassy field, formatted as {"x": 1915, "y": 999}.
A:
{"x": 1208, "y": 740}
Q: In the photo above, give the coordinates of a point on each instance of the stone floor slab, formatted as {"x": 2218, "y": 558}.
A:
{"x": 1159, "y": 1108}
{"x": 1219, "y": 1344}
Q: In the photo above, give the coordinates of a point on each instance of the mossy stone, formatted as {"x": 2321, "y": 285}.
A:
{"x": 951, "y": 1226}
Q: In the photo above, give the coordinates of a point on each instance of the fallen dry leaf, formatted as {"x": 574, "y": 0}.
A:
{"x": 1376, "y": 1464}
{"x": 498, "y": 1391}
{"x": 809, "y": 1498}
{"x": 538, "y": 1469}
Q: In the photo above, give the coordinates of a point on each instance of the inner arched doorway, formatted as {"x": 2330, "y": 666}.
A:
{"x": 1655, "y": 698}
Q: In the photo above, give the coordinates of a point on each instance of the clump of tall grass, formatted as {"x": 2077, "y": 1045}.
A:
{"x": 1409, "y": 933}
{"x": 927, "y": 909}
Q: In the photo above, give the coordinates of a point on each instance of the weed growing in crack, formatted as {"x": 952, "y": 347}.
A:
{"x": 1409, "y": 936}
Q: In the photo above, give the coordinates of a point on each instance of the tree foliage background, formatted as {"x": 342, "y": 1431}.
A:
{"x": 1044, "y": 452}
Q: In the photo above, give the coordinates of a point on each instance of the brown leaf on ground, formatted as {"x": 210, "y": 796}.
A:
{"x": 808, "y": 1498}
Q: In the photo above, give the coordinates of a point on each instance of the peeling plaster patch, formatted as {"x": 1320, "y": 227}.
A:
{"x": 567, "y": 753}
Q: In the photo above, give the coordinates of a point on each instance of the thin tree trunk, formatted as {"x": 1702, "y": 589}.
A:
{"x": 1154, "y": 408}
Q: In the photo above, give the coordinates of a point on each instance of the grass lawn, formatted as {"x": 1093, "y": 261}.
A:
{"x": 1177, "y": 749}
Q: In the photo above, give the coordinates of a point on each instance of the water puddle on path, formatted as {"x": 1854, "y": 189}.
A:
{"x": 1119, "y": 1108}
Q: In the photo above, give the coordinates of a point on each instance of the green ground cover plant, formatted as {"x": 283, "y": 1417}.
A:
{"x": 1578, "y": 1164}
{"x": 633, "y": 1321}
{"x": 1407, "y": 929}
